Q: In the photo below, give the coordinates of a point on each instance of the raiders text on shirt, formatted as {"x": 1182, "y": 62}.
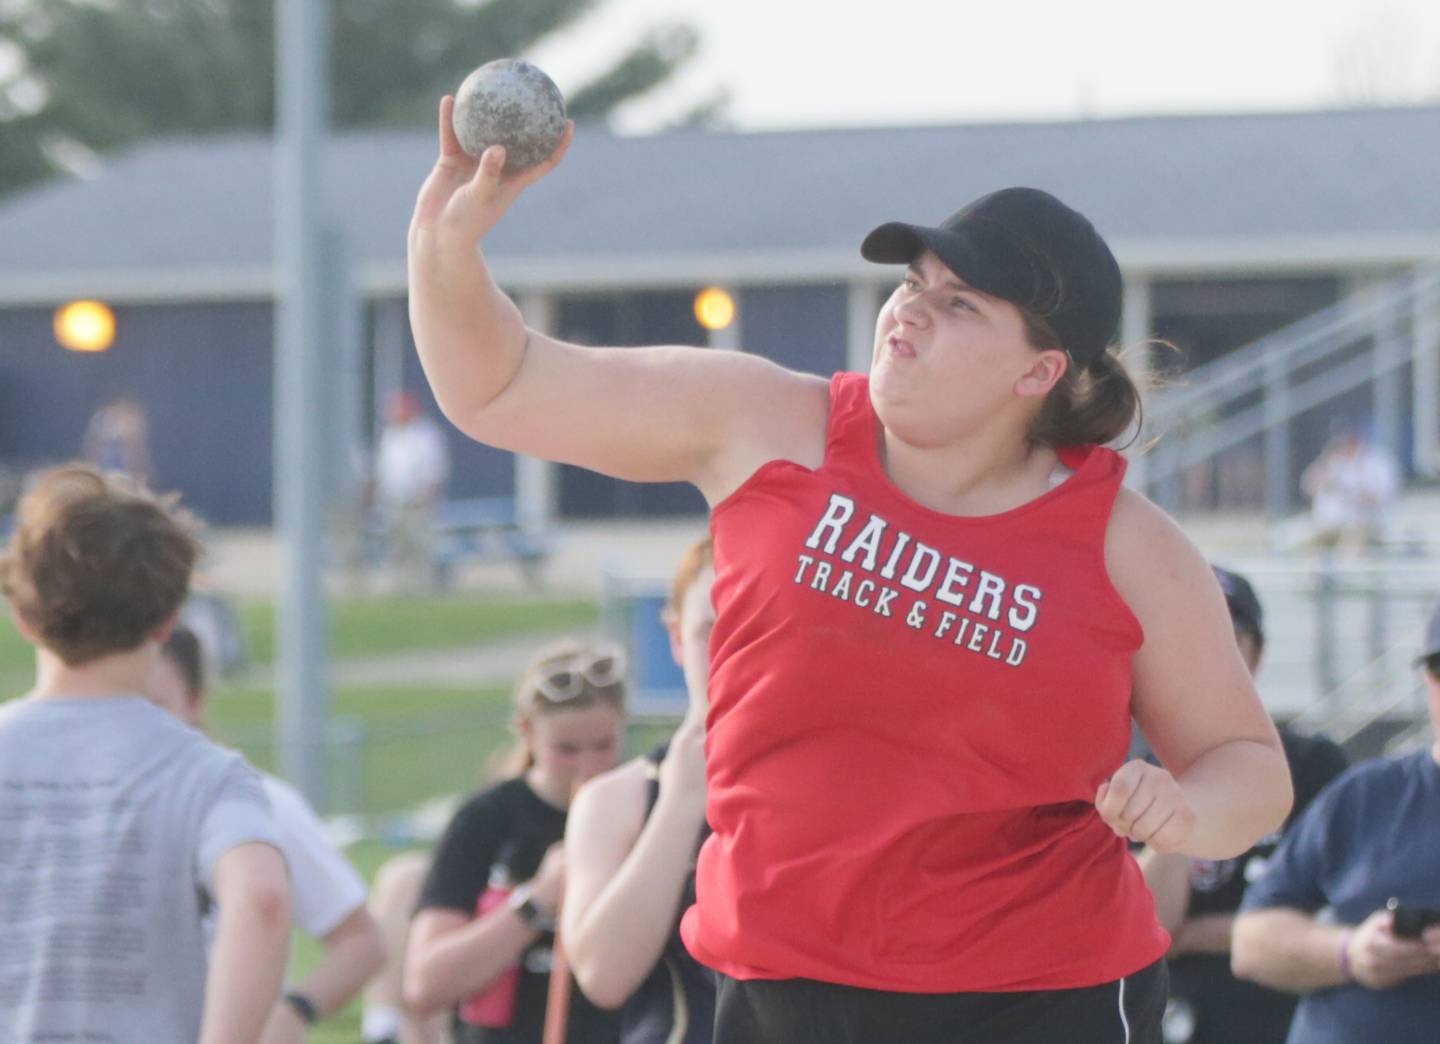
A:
{"x": 873, "y": 566}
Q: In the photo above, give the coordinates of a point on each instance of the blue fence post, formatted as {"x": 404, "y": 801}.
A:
{"x": 631, "y": 616}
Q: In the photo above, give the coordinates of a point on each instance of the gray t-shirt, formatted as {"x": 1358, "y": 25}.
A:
{"x": 112, "y": 817}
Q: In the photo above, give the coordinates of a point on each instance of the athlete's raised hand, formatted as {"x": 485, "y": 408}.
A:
{"x": 463, "y": 198}
{"x": 1144, "y": 803}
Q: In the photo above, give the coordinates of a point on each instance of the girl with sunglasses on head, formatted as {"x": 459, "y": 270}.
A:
{"x": 937, "y": 609}
{"x": 483, "y": 938}
{"x": 632, "y": 837}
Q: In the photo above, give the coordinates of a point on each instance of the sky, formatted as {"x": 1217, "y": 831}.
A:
{"x": 808, "y": 63}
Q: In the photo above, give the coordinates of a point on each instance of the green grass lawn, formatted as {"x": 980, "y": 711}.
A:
{"x": 17, "y": 661}
{"x": 363, "y": 627}
{"x": 403, "y": 745}
{"x": 344, "y": 1026}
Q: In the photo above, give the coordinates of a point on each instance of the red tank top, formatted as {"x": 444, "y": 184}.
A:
{"x": 910, "y": 715}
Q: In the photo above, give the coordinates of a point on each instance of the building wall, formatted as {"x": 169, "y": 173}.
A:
{"x": 631, "y": 319}
{"x": 475, "y": 470}
{"x": 202, "y": 374}
{"x": 801, "y": 327}
{"x": 1206, "y": 318}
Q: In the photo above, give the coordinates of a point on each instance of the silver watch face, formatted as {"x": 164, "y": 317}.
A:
{"x": 523, "y": 903}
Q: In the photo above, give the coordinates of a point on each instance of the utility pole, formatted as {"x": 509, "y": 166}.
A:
{"x": 302, "y": 638}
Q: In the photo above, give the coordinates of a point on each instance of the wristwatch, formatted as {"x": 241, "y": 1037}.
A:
{"x": 302, "y": 1006}
{"x": 536, "y": 918}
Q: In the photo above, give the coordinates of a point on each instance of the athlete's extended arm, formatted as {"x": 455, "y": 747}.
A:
{"x": 646, "y": 414}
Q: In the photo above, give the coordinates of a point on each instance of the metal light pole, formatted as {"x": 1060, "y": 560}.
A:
{"x": 302, "y": 681}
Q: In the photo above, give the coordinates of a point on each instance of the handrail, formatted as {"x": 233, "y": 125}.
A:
{"x": 1360, "y": 309}
{"x": 1259, "y": 390}
{"x": 1417, "y": 737}
{"x": 1256, "y": 419}
{"x": 1352, "y": 706}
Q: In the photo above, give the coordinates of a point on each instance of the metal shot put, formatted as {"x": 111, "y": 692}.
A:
{"x": 512, "y": 103}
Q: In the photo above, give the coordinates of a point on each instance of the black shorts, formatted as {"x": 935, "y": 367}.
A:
{"x": 802, "y": 1011}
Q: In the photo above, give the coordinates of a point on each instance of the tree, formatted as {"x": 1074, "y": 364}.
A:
{"x": 100, "y": 74}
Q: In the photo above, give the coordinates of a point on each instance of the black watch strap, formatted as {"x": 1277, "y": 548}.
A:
{"x": 530, "y": 912}
{"x": 302, "y": 1006}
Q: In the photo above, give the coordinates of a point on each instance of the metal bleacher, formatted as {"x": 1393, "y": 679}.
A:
{"x": 1342, "y": 627}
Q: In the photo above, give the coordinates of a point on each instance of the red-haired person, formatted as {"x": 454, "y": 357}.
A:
{"x": 632, "y": 839}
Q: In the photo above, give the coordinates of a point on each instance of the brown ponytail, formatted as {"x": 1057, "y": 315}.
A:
{"x": 1093, "y": 404}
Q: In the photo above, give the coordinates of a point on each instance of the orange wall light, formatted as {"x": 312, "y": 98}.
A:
{"x": 85, "y": 326}
{"x": 714, "y": 308}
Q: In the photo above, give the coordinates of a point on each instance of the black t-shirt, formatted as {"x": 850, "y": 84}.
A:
{"x": 1226, "y": 1010}
{"x": 509, "y": 822}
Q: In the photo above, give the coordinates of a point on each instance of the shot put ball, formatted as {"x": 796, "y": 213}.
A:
{"x": 512, "y": 103}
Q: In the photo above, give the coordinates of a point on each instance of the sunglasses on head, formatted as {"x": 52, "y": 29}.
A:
{"x": 567, "y": 676}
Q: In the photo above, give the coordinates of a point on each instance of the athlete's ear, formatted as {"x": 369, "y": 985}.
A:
{"x": 1044, "y": 373}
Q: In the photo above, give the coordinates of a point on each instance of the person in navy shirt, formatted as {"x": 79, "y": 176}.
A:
{"x": 1369, "y": 837}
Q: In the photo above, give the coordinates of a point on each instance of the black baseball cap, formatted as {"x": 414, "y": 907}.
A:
{"x": 1026, "y": 247}
{"x": 1241, "y": 600}
{"x": 1432, "y": 637}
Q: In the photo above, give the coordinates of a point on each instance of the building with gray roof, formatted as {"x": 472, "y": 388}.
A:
{"x": 1227, "y": 227}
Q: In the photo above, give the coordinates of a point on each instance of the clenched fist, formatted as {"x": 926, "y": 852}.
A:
{"x": 1144, "y": 803}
